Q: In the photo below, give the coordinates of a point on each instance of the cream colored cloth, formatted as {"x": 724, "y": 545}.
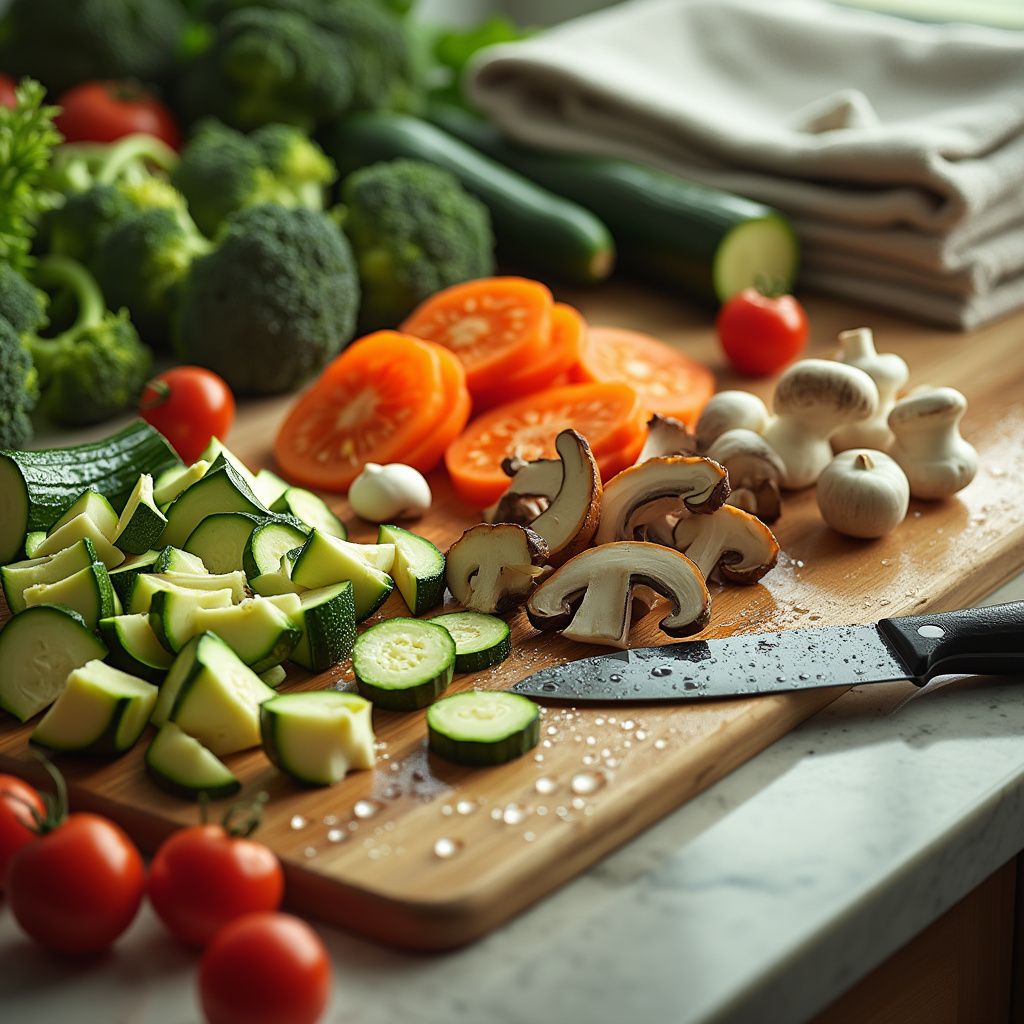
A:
{"x": 897, "y": 148}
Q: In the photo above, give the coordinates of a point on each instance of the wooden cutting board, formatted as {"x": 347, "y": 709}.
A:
{"x": 422, "y": 854}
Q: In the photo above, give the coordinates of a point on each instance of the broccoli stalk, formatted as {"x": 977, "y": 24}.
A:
{"x": 97, "y": 367}
{"x": 78, "y": 166}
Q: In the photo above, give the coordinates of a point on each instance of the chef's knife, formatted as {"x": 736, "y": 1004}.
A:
{"x": 981, "y": 641}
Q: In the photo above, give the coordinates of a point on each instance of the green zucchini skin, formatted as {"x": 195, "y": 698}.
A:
{"x": 535, "y": 228}
{"x": 665, "y": 228}
{"x": 55, "y": 477}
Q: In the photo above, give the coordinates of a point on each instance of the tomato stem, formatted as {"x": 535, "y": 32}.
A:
{"x": 154, "y": 394}
{"x": 253, "y": 811}
{"x": 55, "y": 804}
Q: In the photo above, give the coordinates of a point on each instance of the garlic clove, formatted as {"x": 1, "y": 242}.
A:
{"x": 382, "y": 494}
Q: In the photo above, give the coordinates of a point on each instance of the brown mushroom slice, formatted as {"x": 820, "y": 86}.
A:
{"x": 733, "y": 542}
{"x": 590, "y": 598}
{"x": 666, "y": 436}
{"x": 493, "y": 568}
{"x": 755, "y": 472}
{"x": 531, "y": 490}
{"x": 693, "y": 484}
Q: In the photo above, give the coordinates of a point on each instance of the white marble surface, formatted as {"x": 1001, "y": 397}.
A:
{"x": 760, "y": 900}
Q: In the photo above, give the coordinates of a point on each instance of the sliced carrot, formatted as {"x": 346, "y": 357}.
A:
{"x": 609, "y": 416}
{"x": 614, "y": 462}
{"x": 454, "y": 416}
{"x": 373, "y": 403}
{"x": 568, "y": 329}
{"x": 491, "y": 324}
{"x": 667, "y": 381}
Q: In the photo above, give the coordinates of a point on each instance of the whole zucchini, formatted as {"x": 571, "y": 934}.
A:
{"x": 710, "y": 244}
{"x": 37, "y": 486}
{"x": 535, "y": 228}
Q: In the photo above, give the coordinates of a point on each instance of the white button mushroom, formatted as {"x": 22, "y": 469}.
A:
{"x": 889, "y": 372}
{"x": 928, "y": 446}
{"x": 382, "y": 494}
{"x": 754, "y": 472}
{"x": 863, "y": 493}
{"x": 730, "y": 410}
{"x": 813, "y": 399}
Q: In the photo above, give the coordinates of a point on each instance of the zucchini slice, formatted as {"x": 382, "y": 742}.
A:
{"x": 268, "y": 488}
{"x": 327, "y": 616}
{"x": 418, "y": 569}
{"x": 258, "y": 630}
{"x": 211, "y": 694}
{"x": 173, "y": 612}
{"x": 142, "y": 523}
{"x": 311, "y": 509}
{"x": 271, "y": 584}
{"x": 217, "y": 452}
{"x": 92, "y": 504}
{"x": 87, "y": 592}
{"x": 123, "y": 576}
{"x": 19, "y": 576}
{"x": 274, "y": 676}
{"x": 171, "y": 482}
{"x": 319, "y": 736}
{"x": 33, "y": 542}
{"x": 37, "y": 486}
{"x": 174, "y": 560}
{"x": 483, "y": 727}
{"x": 38, "y": 648}
{"x": 481, "y": 641}
{"x": 324, "y": 560}
{"x": 79, "y": 528}
{"x": 179, "y": 764}
{"x": 101, "y": 710}
{"x": 266, "y": 545}
{"x": 146, "y": 585}
{"x": 221, "y": 490}
{"x": 133, "y": 646}
{"x": 403, "y": 664}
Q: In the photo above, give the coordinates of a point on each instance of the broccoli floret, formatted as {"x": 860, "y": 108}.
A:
{"x": 222, "y": 170}
{"x": 77, "y": 166}
{"x": 414, "y": 231}
{"x": 273, "y": 302}
{"x": 141, "y": 264}
{"x": 22, "y": 311}
{"x": 97, "y": 367}
{"x": 63, "y": 43}
{"x": 21, "y": 305}
{"x": 266, "y": 67}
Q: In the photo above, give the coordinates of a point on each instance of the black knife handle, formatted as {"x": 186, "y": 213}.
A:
{"x": 978, "y": 641}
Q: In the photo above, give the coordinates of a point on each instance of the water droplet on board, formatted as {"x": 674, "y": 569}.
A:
{"x": 336, "y": 835}
{"x": 298, "y": 821}
{"x": 660, "y": 744}
{"x": 528, "y": 837}
{"x": 545, "y": 785}
{"x": 445, "y": 848}
{"x": 465, "y": 807}
{"x": 309, "y": 852}
{"x": 364, "y": 809}
{"x": 514, "y": 814}
{"x": 585, "y": 783}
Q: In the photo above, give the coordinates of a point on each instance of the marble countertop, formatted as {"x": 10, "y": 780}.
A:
{"x": 760, "y": 900}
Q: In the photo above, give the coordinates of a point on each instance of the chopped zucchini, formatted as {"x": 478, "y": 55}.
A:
{"x": 266, "y": 545}
{"x": 220, "y": 539}
{"x": 34, "y": 541}
{"x": 171, "y": 482}
{"x": 481, "y": 641}
{"x": 274, "y": 676}
{"x": 134, "y": 647}
{"x": 101, "y": 710}
{"x": 174, "y": 560}
{"x": 221, "y": 490}
{"x": 269, "y": 584}
{"x": 124, "y": 575}
{"x": 403, "y": 664}
{"x": 87, "y": 592}
{"x": 96, "y": 507}
{"x": 311, "y": 509}
{"x": 483, "y": 727}
{"x": 212, "y": 695}
{"x": 327, "y": 616}
{"x": 319, "y": 736}
{"x": 146, "y": 585}
{"x": 79, "y": 528}
{"x": 324, "y": 560}
{"x": 142, "y": 523}
{"x": 173, "y": 613}
{"x": 268, "y": 488}
{"x": 181, "y": 765}
{"x": 418, "y": 569}
{"x": 19, "y": 576}
{"x": 38, "y": 648}
{"x": 217, "y": 450}
{"x": 259, "y": 631}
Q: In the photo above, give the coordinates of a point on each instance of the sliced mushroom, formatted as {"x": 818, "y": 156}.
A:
{"x": 730, "y": 410}
{"x": 676, "y": 483}
{"x": 733, "y": 542}
{"x": 755, "y": 472}
{"x": 564, "y": 495}
{"x": 666, "y": 436}
{"x": 493, "y": 568}
{"x": 590, "y": 598}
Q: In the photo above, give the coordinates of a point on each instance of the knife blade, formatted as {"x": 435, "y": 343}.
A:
{"x": 982, "y": 641}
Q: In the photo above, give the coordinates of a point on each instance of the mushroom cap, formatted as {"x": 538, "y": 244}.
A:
{"x": 927, "y": 409}
{"x": 492, "y": 568}
{"x": 888, "y": 370}
{"x": 734, "y": 542}
{"x": 693, "y": 483}
{"x": 825, "y": 393}
{"x": 755, "y": 472}
{"x": 729, "y": 410}
{"x": 666, "y": 436}
{"x": 590, "y": 597}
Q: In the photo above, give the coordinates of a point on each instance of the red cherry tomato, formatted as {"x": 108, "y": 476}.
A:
{"x": 107, "y": 111}
{"x": 17, "y": 801}
{"x": 8, "y": 97}
{"x": 77, "y": 887}
{"x": 188, "y": 405}
{"x": 265, "y": 969}
{"x": 761, "y": 333}
{"x": 203, "y": 877}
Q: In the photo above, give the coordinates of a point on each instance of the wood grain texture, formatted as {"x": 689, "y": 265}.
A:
{"x": 515, "y": 843}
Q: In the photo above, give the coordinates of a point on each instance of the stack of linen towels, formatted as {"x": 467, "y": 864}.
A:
{"x": 897, "y": 148}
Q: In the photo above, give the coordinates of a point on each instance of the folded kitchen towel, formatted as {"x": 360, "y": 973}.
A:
{"x": 879, "y": 137}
